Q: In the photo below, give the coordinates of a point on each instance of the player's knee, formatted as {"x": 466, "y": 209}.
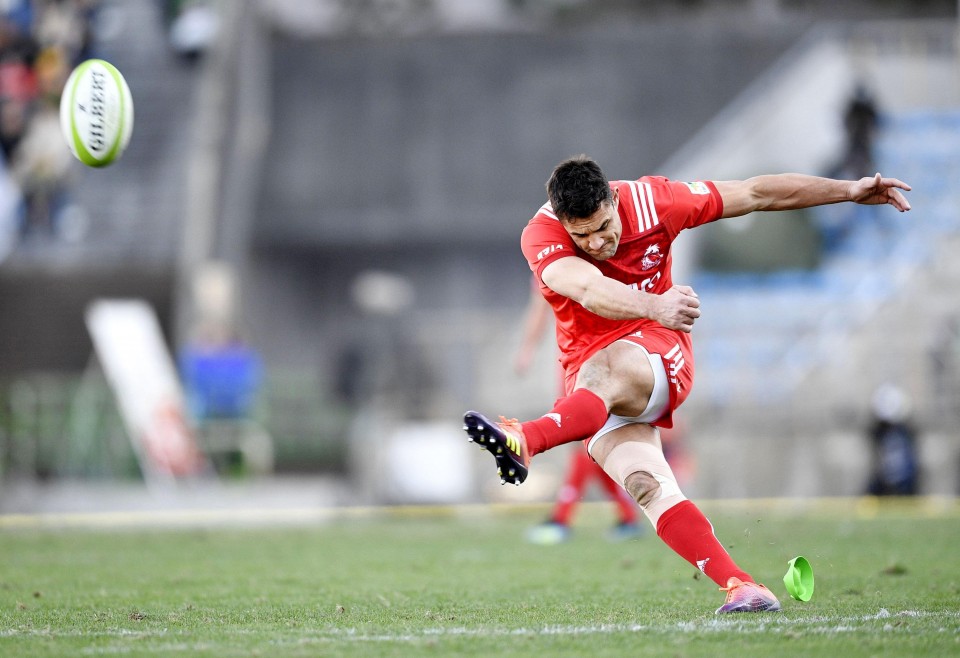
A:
{"x": 643, "y": 487}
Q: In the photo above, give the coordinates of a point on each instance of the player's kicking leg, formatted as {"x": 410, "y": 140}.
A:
{"x": 505, "y": 441}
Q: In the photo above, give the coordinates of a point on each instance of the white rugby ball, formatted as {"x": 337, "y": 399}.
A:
{"x": 96, "y": 113}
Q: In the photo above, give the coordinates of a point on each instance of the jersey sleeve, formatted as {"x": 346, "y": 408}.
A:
{"x": 686, "y": 205}
{"x": 543, "y": 241}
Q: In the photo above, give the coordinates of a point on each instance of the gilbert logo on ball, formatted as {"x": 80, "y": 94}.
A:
{"x": 96, "y": 113}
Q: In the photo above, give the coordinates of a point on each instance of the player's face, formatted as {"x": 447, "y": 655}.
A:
{"x": 599, "y": 234}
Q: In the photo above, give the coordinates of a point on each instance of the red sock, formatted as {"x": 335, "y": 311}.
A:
{"x": 573, "y": 418}
{"x": 578, "y": 471}
{"x": 687, "y": 531}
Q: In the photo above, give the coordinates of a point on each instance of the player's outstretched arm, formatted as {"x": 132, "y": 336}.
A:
{"x": 794, "y": 191}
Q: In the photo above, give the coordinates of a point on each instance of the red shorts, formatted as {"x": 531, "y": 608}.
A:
{"x": 675, "y": 348}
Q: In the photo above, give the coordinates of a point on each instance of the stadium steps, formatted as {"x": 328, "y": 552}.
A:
{"x": 129, "y": 213}
{"x": 773, "y": 337}
{"x": 146, "y": 186}
{"x": 919, "y": 262}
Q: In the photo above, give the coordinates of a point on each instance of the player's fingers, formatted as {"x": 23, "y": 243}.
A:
{"x": 898, "y": 201}
{"x": 686, "y": 290}
{"x": 896, "y": 182}
{"x": 883, "y": 182}
{"x": 680, "y": 322}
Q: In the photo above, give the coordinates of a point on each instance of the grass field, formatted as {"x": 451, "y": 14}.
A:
{"x": 442, "y": 581}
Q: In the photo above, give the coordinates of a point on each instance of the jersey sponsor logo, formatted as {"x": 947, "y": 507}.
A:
{"x": 676, "y": 363}
{"x": 698, "y": 187}
{"x": 549, "y": 250}
{"x": 651, "y": 257}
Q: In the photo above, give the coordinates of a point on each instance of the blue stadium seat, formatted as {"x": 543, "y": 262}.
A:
{"x": 768, "y": 329}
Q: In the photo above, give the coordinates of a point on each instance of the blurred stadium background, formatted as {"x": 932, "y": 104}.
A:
{"x": 326, "y": 196}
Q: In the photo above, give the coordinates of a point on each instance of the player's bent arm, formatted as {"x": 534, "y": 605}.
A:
{"x": 795, "y": 191}
{"x": 585, "y": 284}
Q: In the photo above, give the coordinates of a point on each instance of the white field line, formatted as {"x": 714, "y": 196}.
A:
{"x": 820, "y": 625}
{"x": 883, "y": 620}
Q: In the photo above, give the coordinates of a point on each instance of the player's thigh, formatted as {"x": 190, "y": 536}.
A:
{"x": 621, "y": 374}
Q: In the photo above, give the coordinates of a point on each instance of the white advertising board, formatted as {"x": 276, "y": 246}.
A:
{"x": 129, "y": 345}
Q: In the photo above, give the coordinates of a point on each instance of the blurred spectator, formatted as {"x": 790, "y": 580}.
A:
{"x": 351, "y": 376}
{"x": 860, "y": 121}
{"x": 66, "y": 25}
{"x": 681, "y": 461}
{"x": 40, "y": 166}
{"x": 581, "y": 468}
{"x": 191, "y": 26}
{"x": 18, "y": 50}
{"x": 19, "y": 15}
{"x": 40, "y": 43}
{"x": 944, "y": 376}
{"x": 40, "y": 163}
{"x": 14, "y": 117}
{"x": 221, "y": 376}
{"x": 893, "y": 440}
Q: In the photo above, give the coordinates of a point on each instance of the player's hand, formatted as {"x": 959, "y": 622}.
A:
{"x": 522, "y": 362}
{"x": 877, "y": 190}
{"x": 678, "y": 308}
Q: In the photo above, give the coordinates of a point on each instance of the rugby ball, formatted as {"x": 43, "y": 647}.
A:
{"x": 96, "y": 113}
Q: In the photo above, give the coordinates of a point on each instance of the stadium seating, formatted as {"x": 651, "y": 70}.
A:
{"x": 769, "y": 331}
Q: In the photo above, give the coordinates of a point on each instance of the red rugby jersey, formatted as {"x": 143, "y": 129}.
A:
{"x": 653, "y": 211}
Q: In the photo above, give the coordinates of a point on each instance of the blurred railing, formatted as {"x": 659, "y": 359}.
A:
{"x": 68, "y": 426}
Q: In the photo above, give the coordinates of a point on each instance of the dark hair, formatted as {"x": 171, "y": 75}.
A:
{"x": 577, "y": 187}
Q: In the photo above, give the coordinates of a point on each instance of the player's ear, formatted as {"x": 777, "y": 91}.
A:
{"x": 616, "y": 197}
